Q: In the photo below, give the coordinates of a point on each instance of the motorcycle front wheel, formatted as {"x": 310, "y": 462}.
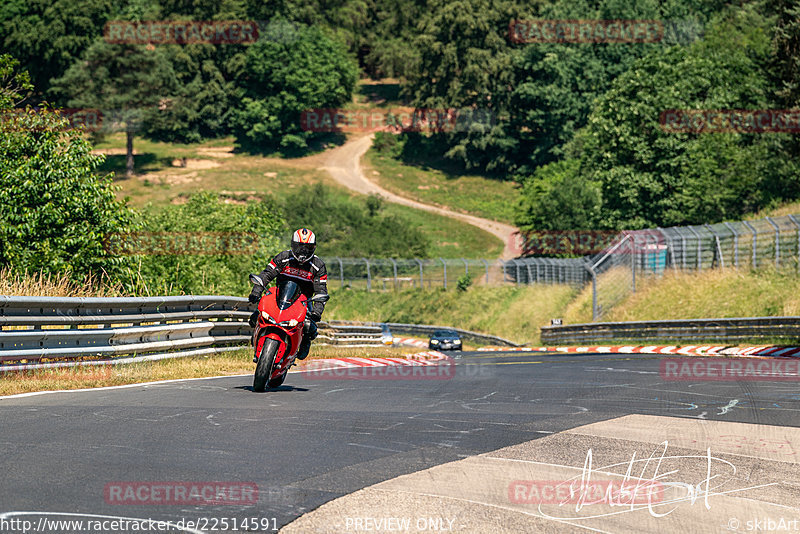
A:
{"x": 265, "y": 364}
{"x": 275, "y": 382}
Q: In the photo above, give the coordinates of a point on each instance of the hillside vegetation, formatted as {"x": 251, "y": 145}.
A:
{"x": 518, "y": 313}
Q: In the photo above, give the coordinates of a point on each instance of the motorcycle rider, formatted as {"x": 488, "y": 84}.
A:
{"x": 300, "y": 265}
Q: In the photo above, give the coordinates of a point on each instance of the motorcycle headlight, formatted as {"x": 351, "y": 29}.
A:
{"x": 291, "y": 323}
{"x": 266, "y": 316}
{"x": 434, "y": 341}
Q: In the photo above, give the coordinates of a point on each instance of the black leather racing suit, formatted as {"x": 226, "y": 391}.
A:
{"x": 311, "y": 277}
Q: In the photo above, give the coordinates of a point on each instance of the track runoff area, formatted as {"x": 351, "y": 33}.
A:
{"x": 487, "y": 442}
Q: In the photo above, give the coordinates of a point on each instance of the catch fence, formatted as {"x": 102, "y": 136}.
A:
{"x": 613, "y": 273}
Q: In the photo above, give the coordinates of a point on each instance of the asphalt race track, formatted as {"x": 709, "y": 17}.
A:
{"x": 313, "y": 441}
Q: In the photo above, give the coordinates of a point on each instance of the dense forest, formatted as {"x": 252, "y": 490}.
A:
{"x": 576, "y": 124}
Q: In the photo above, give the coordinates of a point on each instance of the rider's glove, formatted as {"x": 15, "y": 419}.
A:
{"x": 255, "y": 295}
{"x": 314, "y": 316}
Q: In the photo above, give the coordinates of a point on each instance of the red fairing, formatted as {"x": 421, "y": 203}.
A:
{"x": 296, "y": 311}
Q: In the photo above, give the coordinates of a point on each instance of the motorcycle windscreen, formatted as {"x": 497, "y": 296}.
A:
{"x": 288, "y": 293}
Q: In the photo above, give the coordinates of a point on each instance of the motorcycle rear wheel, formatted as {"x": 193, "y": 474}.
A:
{"x": 265, "y": 364}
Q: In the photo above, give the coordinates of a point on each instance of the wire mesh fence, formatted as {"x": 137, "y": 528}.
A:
{"x": 629, "y": 258}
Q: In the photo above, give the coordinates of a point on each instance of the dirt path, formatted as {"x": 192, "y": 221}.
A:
{"x": 344, "y": 165}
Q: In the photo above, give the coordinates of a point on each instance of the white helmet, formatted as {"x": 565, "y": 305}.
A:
{"x": 304, "y": 243}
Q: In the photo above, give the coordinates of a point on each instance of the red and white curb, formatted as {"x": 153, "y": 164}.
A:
{"x": 420, "y": 359}
{"x": 410, "y": 341}
{"x": 761, "y": 351}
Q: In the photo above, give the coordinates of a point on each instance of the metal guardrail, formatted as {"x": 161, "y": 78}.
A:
{"x": 33, "y": 329}
{"x": 696, "y": 330}
{"x": 60, "y": 330}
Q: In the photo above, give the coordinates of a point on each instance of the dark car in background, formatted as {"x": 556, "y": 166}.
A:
{"x": 445, "y": 340}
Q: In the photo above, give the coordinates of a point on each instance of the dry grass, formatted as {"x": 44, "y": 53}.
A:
{"x": 55, "y": 285}
{"x": 227, "y": 364}
{"x": 713, "y": 293}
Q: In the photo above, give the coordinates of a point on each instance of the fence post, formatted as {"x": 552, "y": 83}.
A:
{"x": 593, "y": 274}
{"x": 421, "y": 281}
{"x": 736, "y": 243}
{"x": 791, "y": 217}
{"x": 486, "y": 264}
{"x": 528, "y": 268}
{"x": 445, "y": 271}
{"x": 699, "y": 248}
{"x": 719, "y": 247}
{"x": 516, "y": 264}
{"x": 394, "y": 268}
{"x": 755, "y": 235}
{"x": 633, "y": 264}
{"x": 341, "y": 272}
{"x": 777, "y": 242}
{"x": 369, "y": 277}
{"x": 466, "y": 267}
{"x": 670, "y": 247}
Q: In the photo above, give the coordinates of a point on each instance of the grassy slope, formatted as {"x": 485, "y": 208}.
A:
{"x": 476, "y": 195}
{"x": 510, "y": 312}
{"x": 517, "y": 313}
{"x": 213, "y": 166}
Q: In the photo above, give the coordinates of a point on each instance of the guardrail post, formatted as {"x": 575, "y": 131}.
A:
{"x": 736, "y": 242}
{"x": 755, "y": 235}
{"x": 421, "y": 281}
{"x": 445, "y": 272}
{"x": 486, "y": 264}
{"x": 791, "y": 217}
{"x": 777, "y": 242}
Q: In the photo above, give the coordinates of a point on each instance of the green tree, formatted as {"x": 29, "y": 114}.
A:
{"x": 352, "y": 228}
{"x": 128, "y": 83}
{"x": 558, "y": 197}
{"x": 55, "y": 213}
{"x": 47, "y": 36}
{"x": 206, "y": 214}
{"x": 652, "y": 177}
{"x": 291, "y": 69}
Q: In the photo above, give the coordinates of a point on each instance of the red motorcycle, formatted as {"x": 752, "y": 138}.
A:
{"x": 281, "y": 317}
